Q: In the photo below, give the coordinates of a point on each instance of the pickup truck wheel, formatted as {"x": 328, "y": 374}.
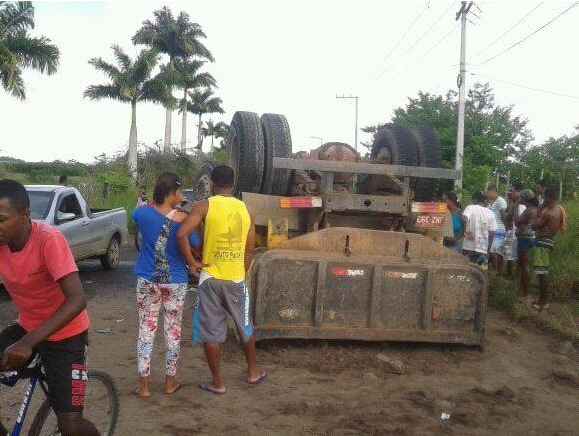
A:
{"x": 203, "y": 181}
{"x": 278, "y": 143}
{"x": 112, "y": 257}
{"x": 429, "y": 155}
{"x": 245, "y": 151}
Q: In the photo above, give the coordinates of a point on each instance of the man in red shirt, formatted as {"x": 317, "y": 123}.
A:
{"x": 42, "y": 279}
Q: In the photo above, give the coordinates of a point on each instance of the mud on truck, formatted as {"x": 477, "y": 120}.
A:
{"x": 350, "y": 246}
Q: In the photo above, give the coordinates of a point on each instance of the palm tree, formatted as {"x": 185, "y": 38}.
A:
{"x": 177, "y": 38}
{"x": 219, "y": 130}
{"x": 188, "y": 77}
{"x": 131, "y": 82}
{"x": 203, "y": 102}
{"x": 18, "y": 50}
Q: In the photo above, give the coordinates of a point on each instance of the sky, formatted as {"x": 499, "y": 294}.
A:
{"x": 293, "y": 58}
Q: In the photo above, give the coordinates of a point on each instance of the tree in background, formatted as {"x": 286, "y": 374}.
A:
{"x": 131, "y": 82}
{"x": 203, "y": 102}
{"x": 19, "y": 50}
{"x": 188, "y": 77}
{"x": 211, "y": 130}
{"x": 494, "y": 137}
{"x": 178, "y": 38}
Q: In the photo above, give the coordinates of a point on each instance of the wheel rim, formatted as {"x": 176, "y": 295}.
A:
{"x": 114, "y": 252}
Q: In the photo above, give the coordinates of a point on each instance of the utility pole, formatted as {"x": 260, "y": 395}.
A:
{"x": 318, "y": 137}
{"x": 462, "y": 14}
{"x": 353, "y": 97}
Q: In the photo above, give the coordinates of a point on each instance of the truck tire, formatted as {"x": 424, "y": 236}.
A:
{"x": 429, "y": 155}
{"x": 112, "y": 257}
{"x": 278, "y": 143}
{"x": 203, "y": 181}
{"x": 245, "y": 151}
{"x": 398, "y": 143}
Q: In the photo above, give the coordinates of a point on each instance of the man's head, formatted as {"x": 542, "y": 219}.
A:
{"x": 550, "y": 195}
{"x": 168, "y": 189}
{"x": 515, "y": 190}
{"x": 143, "y": 190}
{"x": 14, "y": 210}
{"x": 222, "y": 179}
{"x": 492, "y": 193}
{"x": 540, "y": 187}
{"x": 63, "y": 180}
{"x": 478, "y": 197}
{"x": 528, "y": 197}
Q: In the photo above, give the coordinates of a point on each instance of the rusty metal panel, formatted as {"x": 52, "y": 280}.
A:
{"x": 368, "y": 203}
{"x": 329, "y": 295}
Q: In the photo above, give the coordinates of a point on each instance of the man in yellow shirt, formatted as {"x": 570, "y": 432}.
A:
{"x": 229, "y": 239}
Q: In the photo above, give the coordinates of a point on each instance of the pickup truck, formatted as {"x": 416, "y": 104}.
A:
{"x": 91, "y": 233}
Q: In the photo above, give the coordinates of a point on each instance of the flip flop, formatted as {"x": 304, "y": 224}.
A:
{"x": 260, "y": 379}
{"x": 205, "y": 386}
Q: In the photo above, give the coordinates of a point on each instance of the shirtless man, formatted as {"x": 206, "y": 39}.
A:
{"x": 549, "y": 221}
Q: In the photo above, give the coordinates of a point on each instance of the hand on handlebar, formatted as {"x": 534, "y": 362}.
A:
{"x": 15, "y": 356}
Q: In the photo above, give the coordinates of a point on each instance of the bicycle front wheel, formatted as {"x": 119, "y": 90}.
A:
{"x": 101, "y": 408}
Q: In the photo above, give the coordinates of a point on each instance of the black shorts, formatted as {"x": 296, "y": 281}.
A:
{"x": 64, "y": 364}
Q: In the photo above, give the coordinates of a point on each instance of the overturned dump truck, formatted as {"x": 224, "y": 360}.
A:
{"x": 350, "y": 247}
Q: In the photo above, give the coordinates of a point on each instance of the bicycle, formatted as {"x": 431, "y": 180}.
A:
{"x": 102, "y": 402}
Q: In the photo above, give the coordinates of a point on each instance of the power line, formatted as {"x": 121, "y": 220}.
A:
{"x": 417, "y": 41}
{"x": 429, "y": 51}
{"x": 532, "y": 88}
{"x": 399, "y": 41}
{"x": 508, "y": 30}
{"x": 529, "y": 35}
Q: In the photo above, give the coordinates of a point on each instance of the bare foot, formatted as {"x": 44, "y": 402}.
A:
{"x": 171, "y": 386}
{"x": 142, "y": 393}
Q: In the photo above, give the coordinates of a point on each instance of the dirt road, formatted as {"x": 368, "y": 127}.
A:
{"x": 336, "y": 388}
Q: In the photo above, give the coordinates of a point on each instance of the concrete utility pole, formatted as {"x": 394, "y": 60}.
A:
{"x": 318, "y": 137}
{"x": 353, "y": 97}
{"x": 462, "y": 14}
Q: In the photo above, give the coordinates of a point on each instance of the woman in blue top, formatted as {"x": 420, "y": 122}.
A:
{"x": 162, "y": 278}
{"x": 455, "y": 210}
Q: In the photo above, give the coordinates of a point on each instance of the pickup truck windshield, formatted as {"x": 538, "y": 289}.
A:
{"x": 39, "y": 204}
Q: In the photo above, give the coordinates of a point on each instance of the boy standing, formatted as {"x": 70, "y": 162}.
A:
{"x": 549, "y": 221}
{"x": 479, "y": 226}
{"x": 229, "y": 239}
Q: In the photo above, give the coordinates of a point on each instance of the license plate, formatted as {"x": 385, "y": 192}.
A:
{"x": 430, "y": 221}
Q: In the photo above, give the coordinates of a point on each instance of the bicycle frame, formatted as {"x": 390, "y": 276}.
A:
{"x": 10, "y": 379}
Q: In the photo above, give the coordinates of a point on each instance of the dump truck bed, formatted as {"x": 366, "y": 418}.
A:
{"x": 344, "y": 283}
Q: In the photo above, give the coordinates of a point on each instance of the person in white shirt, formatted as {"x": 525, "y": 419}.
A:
{"x": 479, "y": 225}
{"x": 499, "y": 208}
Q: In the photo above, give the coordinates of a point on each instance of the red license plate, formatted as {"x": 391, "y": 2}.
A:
{"x": 430, "y": 221}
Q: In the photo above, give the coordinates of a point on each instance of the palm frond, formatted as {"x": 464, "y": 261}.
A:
{"x": 37, "y": 53}
{"x": 16, "y": 17}
{"x": 99, "y": 92}
{"x": 109, "y": 69}
{"x": 122, "y": 58}
{"x": 157, "y": 91}
{"x": 144, "y": 65}
{"x": 11, "y": 77}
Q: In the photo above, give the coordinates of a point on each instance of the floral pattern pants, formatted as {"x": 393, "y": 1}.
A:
{"x": 150, "y": 297}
